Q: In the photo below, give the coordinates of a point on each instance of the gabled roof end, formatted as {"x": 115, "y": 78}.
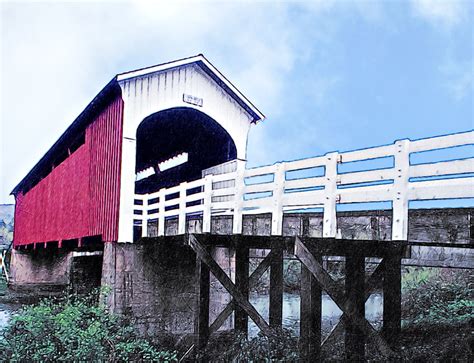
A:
{"x": 210, "y": 70}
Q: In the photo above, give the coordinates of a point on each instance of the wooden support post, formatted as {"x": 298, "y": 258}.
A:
{"x": 310, "y": 316}
{"x": 276, "y": 288}
{"x": 227, "y": 283}
{"x": 254, "y": 277}
{"x": 343, "y": 301}
{"x": 201, "y": 321}
{"x": 392, "y": 300}
{"x": 242, "y": 283}
{"x": 355, "y": 337}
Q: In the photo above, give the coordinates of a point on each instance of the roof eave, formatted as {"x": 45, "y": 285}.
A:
{"x": 77, "y": 125}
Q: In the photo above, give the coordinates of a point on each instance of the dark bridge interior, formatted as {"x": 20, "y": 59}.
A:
{"x": 169, "y": 133}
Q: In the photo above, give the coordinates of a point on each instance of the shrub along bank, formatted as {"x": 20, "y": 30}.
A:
{"x": 74, "y": 329}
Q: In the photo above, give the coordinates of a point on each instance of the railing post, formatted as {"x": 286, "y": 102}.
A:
{"x": 161, "y": 212}
{"x": 206, "y": 214}
{"x": 329, "y": 218}
{"x": 144, "y": 216}
{"x": 278, "y": 190}
{"x": 400, "y": 190}
{"x": 239, "y": 195}
{"x": 182, "y": 208}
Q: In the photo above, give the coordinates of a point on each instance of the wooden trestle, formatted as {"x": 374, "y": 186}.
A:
{"x": 315, "y": 280}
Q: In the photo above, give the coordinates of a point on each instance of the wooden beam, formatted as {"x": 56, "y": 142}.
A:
{"x": 325, "y": 280}
{"x": 333, "y": 290}
{"x": 317, "y": 245}
{"x": 261, "y": 268}
{"x": 253, "y": 279}
{"x": 371, "y": 283}
{"x": 258, "y": 242}
{"x": 354, "y": 280}
{"x": 276, "y": 288}
{"x": 201, "y": 322}
{"x": 222, "y": 317}
{"x": 346, "y": 247}
{"x": 242, "y": 283}
{"x": 374, "y": 280}
{"x": 392, "y": 301}
{"x": 310, "y": 316}
{"x": 227, "y": 283}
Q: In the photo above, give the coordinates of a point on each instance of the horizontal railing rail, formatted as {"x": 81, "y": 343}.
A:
{"x": 321, "y": 182}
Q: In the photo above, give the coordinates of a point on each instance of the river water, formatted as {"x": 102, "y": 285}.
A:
{"x": 330, "y": 311}
{"x": 6, "y": 310}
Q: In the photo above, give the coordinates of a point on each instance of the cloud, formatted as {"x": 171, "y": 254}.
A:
{"x": 56, "y": 56}
{"x": 441, "y": 13}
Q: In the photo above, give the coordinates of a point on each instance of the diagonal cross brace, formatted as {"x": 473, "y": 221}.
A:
{"x": 227, "y": 283}
{"x": 337, "y": 295}
{"x": 256, "y": 274}
{"x": 370, "y": 284}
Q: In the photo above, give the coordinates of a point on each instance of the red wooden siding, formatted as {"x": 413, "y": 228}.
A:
{"x": 80, "y": 197}
{"x": 105, "y": 142}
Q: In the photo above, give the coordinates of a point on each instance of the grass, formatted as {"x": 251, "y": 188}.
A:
{"x": 437, "y": 296}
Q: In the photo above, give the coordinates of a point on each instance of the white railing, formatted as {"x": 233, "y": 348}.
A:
{"x": 240, "y": 192}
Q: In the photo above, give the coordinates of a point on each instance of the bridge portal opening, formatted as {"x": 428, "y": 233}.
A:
{"x": 175, "y": 145}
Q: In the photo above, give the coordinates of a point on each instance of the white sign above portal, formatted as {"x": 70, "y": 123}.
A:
{"x": 193, "y": 100}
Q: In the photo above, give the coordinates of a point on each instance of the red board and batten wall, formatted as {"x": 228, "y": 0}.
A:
{"x": 80, "y": 197}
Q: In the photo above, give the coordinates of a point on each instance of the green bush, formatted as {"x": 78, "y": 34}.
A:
{"x": 74, "y": 329}
{"x": 437, "y": 296}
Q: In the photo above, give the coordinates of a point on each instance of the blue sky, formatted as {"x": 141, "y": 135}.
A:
{"x": 329, "y": 75}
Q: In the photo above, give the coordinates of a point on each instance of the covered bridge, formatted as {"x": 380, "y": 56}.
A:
{"x": 158, "y": 159}
{"x": 127, "y": 141}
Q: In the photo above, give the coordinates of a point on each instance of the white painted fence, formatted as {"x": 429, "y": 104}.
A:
{"x": 275, "y": 189}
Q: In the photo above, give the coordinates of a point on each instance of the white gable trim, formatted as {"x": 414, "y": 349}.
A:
{"x": 201, "y": 61}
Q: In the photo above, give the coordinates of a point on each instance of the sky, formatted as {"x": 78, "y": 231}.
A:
{"x": 328, "y": 75}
